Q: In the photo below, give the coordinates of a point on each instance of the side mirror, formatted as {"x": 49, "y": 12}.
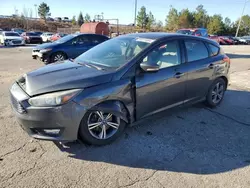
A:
{"x": 149, "y": 68}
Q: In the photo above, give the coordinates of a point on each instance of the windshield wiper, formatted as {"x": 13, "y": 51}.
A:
{"x": 93, "y": 66}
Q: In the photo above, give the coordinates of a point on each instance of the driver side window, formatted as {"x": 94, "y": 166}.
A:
{"x": 165, "y": 55}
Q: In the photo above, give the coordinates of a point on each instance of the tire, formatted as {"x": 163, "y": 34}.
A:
{"x": 89, "y": 136}
{"x": 216, "y": 93}
{"x": 58, "y": 56}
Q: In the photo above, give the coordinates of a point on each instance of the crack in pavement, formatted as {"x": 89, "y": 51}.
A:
{"x": 16, "y": 174}
{"x": 140, "y": 180}
{"x": 228, "y": 117}
{"x": 15, "y": 150}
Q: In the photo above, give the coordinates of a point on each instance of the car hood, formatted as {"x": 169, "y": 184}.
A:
{"x": 13, "y": 37}
{"x": 46, "y": 45}
{"x": 63, "y": 76}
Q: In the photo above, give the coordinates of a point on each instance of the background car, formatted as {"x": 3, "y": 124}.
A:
{"x": 32, "y": 38}
{"x": 67, "y": 47}
{"x": 112, "y": 85}
{"x": 19, "y": 31}
{"x": 46, "y": 37}
{"x": 245, "y": 39}
{"x": 194, "y": 31}
{"x": 65, "y": 19}
{"x": 226, "y": 40}
{"x": 38, "y": 33}
{"x": 57, "y": 36}
{"x": 11, "y": 38}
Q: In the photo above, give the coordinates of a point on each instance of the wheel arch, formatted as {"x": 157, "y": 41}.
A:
{"x": 115, "y": 107}
{"x": 225, "y": 79}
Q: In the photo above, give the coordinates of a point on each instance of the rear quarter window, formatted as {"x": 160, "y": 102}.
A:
{"x": 214, "y": 50}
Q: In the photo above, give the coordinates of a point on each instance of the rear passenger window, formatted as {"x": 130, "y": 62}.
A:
{"x": 98, "y": 39}
{"x": 214, "y": 50}
{"x": 196, "y": 50}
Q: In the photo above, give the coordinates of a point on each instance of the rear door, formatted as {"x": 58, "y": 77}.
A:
{"x": 200, "y": 68}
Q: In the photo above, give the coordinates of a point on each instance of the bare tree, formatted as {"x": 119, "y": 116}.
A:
{"x": 25, "y": 14}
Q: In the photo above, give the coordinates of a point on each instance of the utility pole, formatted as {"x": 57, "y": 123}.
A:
{"x": 35, "y": 5}
{"x": 135, "y": 12}
{"x": 237, "y": 32}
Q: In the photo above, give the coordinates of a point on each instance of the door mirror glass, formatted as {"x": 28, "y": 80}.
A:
{"x": 148, "y": 67}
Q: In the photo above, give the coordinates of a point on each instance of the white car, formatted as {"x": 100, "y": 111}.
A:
{"x": 46, "y": 37}
{"x": 9, "y": 38}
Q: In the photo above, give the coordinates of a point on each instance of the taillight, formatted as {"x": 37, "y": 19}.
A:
{"x": 226, "y": 59}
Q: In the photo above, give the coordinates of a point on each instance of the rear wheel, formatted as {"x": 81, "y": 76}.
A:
{"x": 216, "y": 93}
{"x": 100, "y": 128}
{"x": 58, "y": 56}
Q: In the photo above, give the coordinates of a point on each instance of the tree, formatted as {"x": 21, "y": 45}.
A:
{"x": 185, "y": 19}
{"x": 172, "y": 20}
{"x": 142, "y": 18}
{"x": 227, "y": 22}
{"x": 151, "y": 20}
{"x": 43, "y": 11}
{"x": 244, "y": 26}
{"x": 200, "y": 17}
{"x": 73, "y": 21}
{"x": 159, "y": 26}
{"x": 80, "y": 20}
{"x": 87, "y": 18}
{"x": 216, "y": 25}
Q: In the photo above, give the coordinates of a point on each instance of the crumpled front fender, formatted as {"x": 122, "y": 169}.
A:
{"x": 114, "y": 107}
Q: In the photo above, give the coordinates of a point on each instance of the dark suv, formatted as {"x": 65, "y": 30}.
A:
{"x": 118, "y": 83}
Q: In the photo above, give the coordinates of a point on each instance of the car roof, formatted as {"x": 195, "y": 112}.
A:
{"x": 159, "y": 36}
{"x": 78, "y": 34}
{"x": 9, "y": 32}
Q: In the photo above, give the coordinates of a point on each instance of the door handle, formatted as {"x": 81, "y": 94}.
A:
{"x": 178, "y": 75}
{"x": 211, "y": 66}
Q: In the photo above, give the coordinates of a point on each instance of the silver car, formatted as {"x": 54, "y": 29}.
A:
{"x": 117, "y": 83}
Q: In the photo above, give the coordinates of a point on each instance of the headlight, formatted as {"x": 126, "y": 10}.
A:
{"x": 53, "y": 99}
{"x": 45, "y": 50}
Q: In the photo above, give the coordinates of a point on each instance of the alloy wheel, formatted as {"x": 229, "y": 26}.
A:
{"x": 58, "y": 57}
{"x": 217, "y": 92}
{"x": 102, "y": 125}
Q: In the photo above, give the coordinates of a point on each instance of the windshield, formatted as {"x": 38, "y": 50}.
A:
{"x": 65, "y": 39}
{"x": 12, "y": 34}
{"x": 114, "y": 53}
{"x": 185, "y": 32}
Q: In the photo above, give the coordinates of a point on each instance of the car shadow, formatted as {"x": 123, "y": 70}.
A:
{"x": 194, "y": 139}
{"x": 237, "y": 56}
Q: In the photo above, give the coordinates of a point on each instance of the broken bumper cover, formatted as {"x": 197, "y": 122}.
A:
{"x": 59, "y": 123}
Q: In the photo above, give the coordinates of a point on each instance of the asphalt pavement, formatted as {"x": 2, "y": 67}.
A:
{"x": 192, "y": 146}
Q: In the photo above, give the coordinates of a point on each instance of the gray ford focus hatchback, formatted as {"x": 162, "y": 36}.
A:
{"x": 95, "y": 96}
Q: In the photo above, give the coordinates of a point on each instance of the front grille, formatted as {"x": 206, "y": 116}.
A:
{"x": 16, "y": 42}
{"x": 17, "y": 106}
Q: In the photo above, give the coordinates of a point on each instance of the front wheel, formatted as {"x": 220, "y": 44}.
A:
{"x": 100, "y": 128}
{"x": 59, "y": 56}
{"x": 216, "y": 93}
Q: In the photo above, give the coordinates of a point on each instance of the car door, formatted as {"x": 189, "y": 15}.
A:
{"x": 200, "y": 69}
{"x": 156, "y": 91}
